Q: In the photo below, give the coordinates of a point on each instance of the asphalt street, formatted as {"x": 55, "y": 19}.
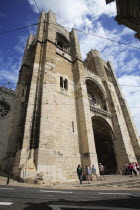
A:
{"x": 18, "y": 198}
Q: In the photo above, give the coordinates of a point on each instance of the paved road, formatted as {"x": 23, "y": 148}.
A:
{"x": 18, "y": 198}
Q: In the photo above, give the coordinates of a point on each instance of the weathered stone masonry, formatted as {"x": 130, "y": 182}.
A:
{"x": 67, "y": 112}
{"x": 7, "y": 101}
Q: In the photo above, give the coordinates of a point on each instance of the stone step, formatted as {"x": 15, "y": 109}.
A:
{"x": 120, "y": 183}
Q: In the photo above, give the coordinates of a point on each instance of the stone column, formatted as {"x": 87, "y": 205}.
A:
{"x": 30, "y": 128}
{"x": 86, "y": 137}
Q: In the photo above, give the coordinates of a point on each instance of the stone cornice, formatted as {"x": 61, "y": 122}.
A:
{"x": 100, "y": 111}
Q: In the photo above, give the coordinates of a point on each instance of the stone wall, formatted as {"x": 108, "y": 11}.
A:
{"x": 7, "y": 99}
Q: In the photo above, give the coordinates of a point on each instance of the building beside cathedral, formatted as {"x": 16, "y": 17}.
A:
{"x": 128, "y": 14}
{"x": 67, "y": 111}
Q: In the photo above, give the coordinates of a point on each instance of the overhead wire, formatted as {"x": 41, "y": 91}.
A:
{"x": 37, "y": 6}
{"x": 9, "y": 83}
{"x": 91, "y": 34}
{"x": 67, "y": 104}
{"x": 16, "y": 29}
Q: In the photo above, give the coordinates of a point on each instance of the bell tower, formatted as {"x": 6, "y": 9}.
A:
{"x": 54, "y": 130}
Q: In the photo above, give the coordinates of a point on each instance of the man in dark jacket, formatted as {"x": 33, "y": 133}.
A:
{"x": 80, "y": 173}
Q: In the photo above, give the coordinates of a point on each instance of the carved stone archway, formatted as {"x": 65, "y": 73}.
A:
{"x": 104, "y": 142}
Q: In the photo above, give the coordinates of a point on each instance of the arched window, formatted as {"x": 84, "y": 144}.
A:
{"x": 61, "y": 82}
{"x": 66, "y": 84}
{"x": 62, "y": 42}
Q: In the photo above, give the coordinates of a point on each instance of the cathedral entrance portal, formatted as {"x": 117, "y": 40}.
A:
{"x": 104, "y": 144}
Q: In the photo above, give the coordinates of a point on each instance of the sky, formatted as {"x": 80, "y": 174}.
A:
{"x": 90, "y": 16}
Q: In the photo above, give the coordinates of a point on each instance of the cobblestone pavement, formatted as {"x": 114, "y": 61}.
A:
{"x": 112, "y": 182}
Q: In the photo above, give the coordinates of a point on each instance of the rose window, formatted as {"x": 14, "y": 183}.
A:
{"x": 92, "y": 99}
{"x": 4, "y": 109}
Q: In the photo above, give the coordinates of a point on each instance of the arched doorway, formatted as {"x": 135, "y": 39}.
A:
{"x": 104, "y": 144}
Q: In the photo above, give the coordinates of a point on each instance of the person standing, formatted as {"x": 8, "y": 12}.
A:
{"x": 135, "y": 169}
{"x": 8, "y": 179}
{"x": 132, "y": 170}
{"x": 101, "y": 169}
{"x": 138, "y": 168}
{"x": 93, "y": 170}
{"x": 80, "y": 173}
{"x": 88, "y": 173}
{"x": 126, "y": 169}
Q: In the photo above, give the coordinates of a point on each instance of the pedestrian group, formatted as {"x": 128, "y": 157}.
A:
{"x": 90, "y": 174}
{"x": 132, "y": 169}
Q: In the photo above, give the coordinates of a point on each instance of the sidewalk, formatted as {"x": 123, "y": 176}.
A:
{"x": 113, "y": 182}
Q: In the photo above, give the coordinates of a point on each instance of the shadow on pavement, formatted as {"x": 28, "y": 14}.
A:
{"x": 127, "y": 203}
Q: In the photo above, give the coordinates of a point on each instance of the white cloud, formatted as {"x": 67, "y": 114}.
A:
{"x": 127, "y": 31}
{"x": 72, "y": 13}
{"x": 98, "y": 8}
{"x": 9, "y": 70}
{"x": 132, "y": 95}
{"x": 20, "y": 46}
{"x": 68, "y": 12}
{"x": 12, "y": 77}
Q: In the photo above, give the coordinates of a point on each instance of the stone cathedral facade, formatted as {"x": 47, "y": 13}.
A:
{"x": 67, "y": 111}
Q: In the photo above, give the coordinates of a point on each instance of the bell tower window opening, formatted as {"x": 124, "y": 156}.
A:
{"x": 60, "y": 45}
{"x": 62, "y": 42}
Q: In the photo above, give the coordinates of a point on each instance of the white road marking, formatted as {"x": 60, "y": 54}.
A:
{"x": 115, "y": 193}
{"x": 6, "y": 188}
{"x": 5, "y": 203}
{"x": 54, "y": 191}
{"x": 58, "y": 207}
{"x": 54, "y": 207}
